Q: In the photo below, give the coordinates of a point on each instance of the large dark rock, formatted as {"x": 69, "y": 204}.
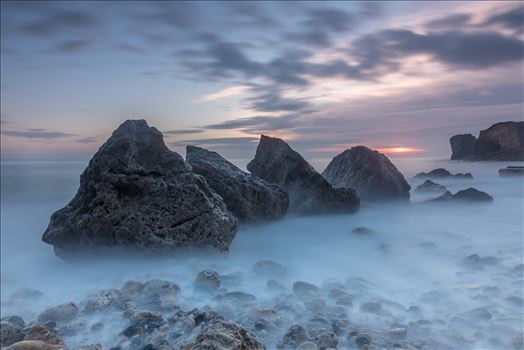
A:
{"x": 309, "y": 192}
{"x": 461, "y": 146}
{"x": 440, "y": 173}
{"x": 248, "y": 197}
{"x": 501, "y": 141}
{"x": 137, "y": 194}
{"x": 369, "y": 172}
{"x": 468, "y": 195}
{"x": 226, "y": 335}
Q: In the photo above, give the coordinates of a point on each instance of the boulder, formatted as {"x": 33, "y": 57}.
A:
{"x": 294, "y": 336}
{"x": 10, "y": 333}
{"x": 59, "y": 313}
{"x": 224, "y": 335}
{"x": 501, "y": 141}
{"x": 308, "y": 191}
{"x": 34, "y": 345}
{"x": 248, "y": 197}
{"x": 270, "y": 269}
{"x": 137, "y": 194}
{"x": 468, "y": 195}
{"x": 207, "y": 281}
{"x": 103, "y": 299}
{"x": 430, "y": 186}
{"x": 304, "y": 290}
{"x": 512, "y": 171}
{"x": 462, "y": 146}
{"x": 39, "y": 332}
{"x": 440, "y": 173}
{"x": 369, "y": 172}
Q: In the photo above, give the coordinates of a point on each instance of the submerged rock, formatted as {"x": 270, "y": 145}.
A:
{"x": 295, "y": 335}
{"x": 207, "y": 281}
{"x": 136, "y": 193}
{"x": 34, "y": 345}
{"x": 369, "y": 172}
{"x": 430, "y": 186}
{"x": 308, "y": 191}
{"x": 10, "y": 333}
{"x": 102, "y": 300}
{"x": 224, "y": 335}
{"x": 59, "y": 313}
{"x": 39, "y": 332}
{"x": 305, "y": 290}
{"x": 248, "y": 197}
{"x": 468, "y": 195}
{"x": 443, "y": 173}
{"x": 270, "y": 269}
{"x": 462, "y": 146}
{"x": 512, "y": 171}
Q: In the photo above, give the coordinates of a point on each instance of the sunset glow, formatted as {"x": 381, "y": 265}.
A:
{"x": 396, "y": 150}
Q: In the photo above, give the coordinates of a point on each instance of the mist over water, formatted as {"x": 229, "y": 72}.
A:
{"x": 413, "y": 256}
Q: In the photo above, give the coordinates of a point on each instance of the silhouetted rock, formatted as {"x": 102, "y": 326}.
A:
{"x": 226, "y": 335}
{"x": 369, "y": 172}
{"x": 501, "y": 141}
{"x": 440, "y": 173}
{"x": 430, "y": 186}
{"x": 512, "y": 171}
{"x": 468, "y": 195}
{"x": 136, "y": 193}
{"x": 248, "y": 197}
{"x": 461, "y": 146}
{"x": 308, "y": 191}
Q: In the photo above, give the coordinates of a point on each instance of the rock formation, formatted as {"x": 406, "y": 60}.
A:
{"x": 248, "y": 197}
{"x": 226, "y": 335}
{"x": 501, "y": 141}
{"x": 137, "y": 194}
{"x": 369, "y": 172}
{"x": 309, "y": 192}
{"x": 512, "y": 171}
{"x": 430, "y": 186}
{"x": 440, "y": 173}
{"x": 468, "y": 195}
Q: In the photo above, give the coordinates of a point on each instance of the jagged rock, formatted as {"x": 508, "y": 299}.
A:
{"x": 468, "y": 195}
{"x": 501, "y": 141}
{"x": 14, "y": 319}
{"x": 34, "y": 345}
{"x": 248, "y": 197}
{"x": 430, "y": 186}
{"x": 137, "y": 194}
{"x": 59, "y": 313}
{"x": 10, "y": 333}
{"x": 207, "y": 281}
{"x": 295, "y": 335}
{"x": 512, "y": 171}
{"x": 443, "y": 173}
{"x": 39, "y": 332}
{"x": 224, "y": 335}
{"x": 326, "y": 340}
{"x": 369, "y": 172}
{"x": 155, "y": 289}
{"x": 102, "y": 300}
{"x": 309, "y": 192}
{"x": 462, "y": 146}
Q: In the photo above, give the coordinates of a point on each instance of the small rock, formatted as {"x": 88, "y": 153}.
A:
{"x": 226, "y": 335}
{"x": 270, "y": 269}
{"x": 131, "y": 289}
{"x": 326, "y": 340}
{"x": 10, "y": 333}
{"x": 239, "y": 297}
{"x": 102, "y": 300}
{"x": 44, "y": 334}
{"x": 305, "y": 290}
{"x": 308, "y": 346}
{"x": 362, "y": 231}
{"x": 34, "y": 345}
{"x": 14, "y": 319}
{"x": 468, "y": 195}
{"x": 398, "y": 333}
{"x": 430, "y": 186}
{"x": 295, "y": 335}
{"x": 153, "y": 289}
{"x": 207, "y": 281}
{"x": 97, "y": 327}
{"x": 372, "y": 307}
{"x": 59, "y": 313}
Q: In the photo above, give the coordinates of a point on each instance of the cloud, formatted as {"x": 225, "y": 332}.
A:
{"x": 36, "y": 134}
{"x": 450, "y": 22}
{"x": 70, "y": 46}
{"x": 224, "y": 93}
{"x": 221, "y": 141}
{"x": 59, "y": 22}
{"x": 87, "y": 140}
{"x": 183, "y": 132}
{"x": 272, "y": 102}
{"x": 512, "y": 19}
{"x": 257, "y": 123}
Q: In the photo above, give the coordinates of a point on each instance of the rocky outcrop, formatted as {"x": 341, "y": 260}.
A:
{"x": 369, "y": 172}
{"x": 248, "y": 197}
{"x": 309, "y": 192}
{"x": 137, "y": 194}
{"x": 512, "y": 171}
{"x": 501, "y": 141}
{"x": 226, "y": 335}
{"x": 440, "y": 173}
{"x": 468, "y": 195}
{"x": 430, "y": 186}
{"x": 461, "y": 146}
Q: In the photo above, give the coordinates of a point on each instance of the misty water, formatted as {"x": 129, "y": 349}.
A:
{"x": 411, "y": 261}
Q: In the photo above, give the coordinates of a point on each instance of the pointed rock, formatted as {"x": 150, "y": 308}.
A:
{"x": 430, "y": 186}
{"x": 248, "y": 197}
{"x": 137, "y": 194}
{"x": 462, "y": 146}
{"x": 369, "y": 172}
{"x": 309, "y": 192}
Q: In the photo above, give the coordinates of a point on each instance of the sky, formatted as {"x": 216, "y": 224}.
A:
{"x": 401, "y": 77}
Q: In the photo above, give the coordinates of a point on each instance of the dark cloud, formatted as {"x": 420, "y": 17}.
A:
{"x": 252, "y": 124}
{"x": 36, "y": 134}
{"x": 466, "y": 50}
{"x": 221, "y": 141}
{"x": 70, "y": 46}
{"x": 183, "y": 132}
{"x": 59, "y": 22}
{"x": 272, "y": 102}
{"x": 450, "y": 22}
{"x": 334, "y": 20}
{"x": 87, "y": 140}
{"x": 175, "y": 14}
{"x": 512, "y": 19}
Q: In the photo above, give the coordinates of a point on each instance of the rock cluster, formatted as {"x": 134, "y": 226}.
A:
{"x": 440, "y": 173}
{"x": 369, "y": 172}
{"x": 501, "y": 141}
{"x": 512, "y": 171}
{"x": 468, "y": 195}
{"x": 248, "y": 197}
{"x": 308, "y": 191}
{"x": 430, "y": 186}
{"x": 137, "y": 194}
